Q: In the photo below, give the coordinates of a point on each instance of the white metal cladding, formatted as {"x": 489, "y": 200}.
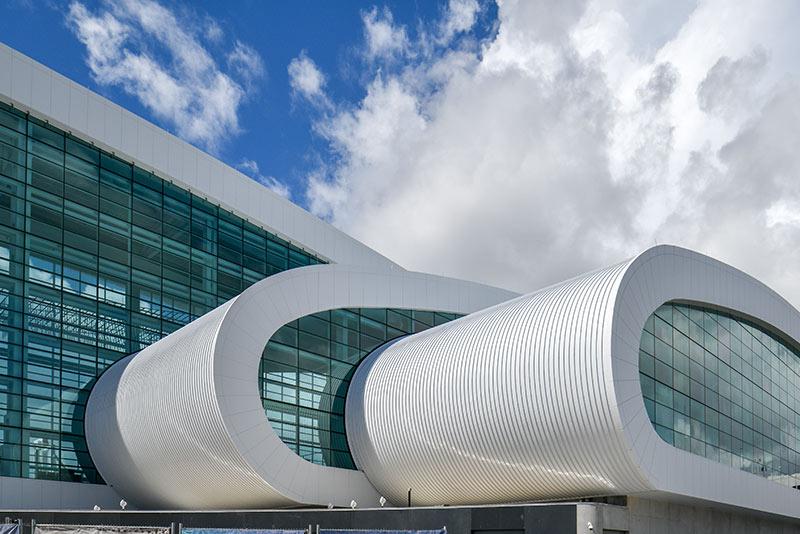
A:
{"x": 668, "y": 273}
{"x": 181, "y": 424}
{"x": 34, "y": 88}
{"x": 539, "y": 397}
{"x": 508, "y": 404}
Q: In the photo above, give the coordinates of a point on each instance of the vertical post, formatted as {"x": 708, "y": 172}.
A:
{"x": 33, "y": 526}
{"x": 317, "y": 528}
{"x": 180, "y": 528}
{"x": 19, "y": 524}
{"x": 172, "y": 528}
{"x": 309, "y": 529}
{"x": 409, "y": 497}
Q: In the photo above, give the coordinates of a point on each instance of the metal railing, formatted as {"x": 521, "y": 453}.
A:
{"x": 177, "y": 528}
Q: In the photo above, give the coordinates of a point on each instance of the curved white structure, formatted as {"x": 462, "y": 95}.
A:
{"x": 55, "y": 472}
{"x": 540, "y": 397}
{"x": 181, "y": 424}
{"x": 528, "y": 398}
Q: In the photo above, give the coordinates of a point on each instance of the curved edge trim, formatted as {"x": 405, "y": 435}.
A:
{"x": 188, "y": 413}
{"x": 268, "y": 305}
{"x": 666, "y": 273}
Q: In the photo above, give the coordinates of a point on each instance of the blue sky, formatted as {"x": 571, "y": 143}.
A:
{"x": 276, "y": 127}
{"x": 516, "y": 143}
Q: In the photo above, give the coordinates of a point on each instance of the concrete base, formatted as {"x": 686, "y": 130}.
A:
{"x": 32, "y": 494}
{"x": 517, "y": 519}
{"x": 664, "y": 517}
{"x": 640, "y": 516}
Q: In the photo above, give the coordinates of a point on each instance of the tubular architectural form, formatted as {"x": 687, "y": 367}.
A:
{"x": 540, "y": 397}
{"x": 536, "y": 397}
{"x": 181, "y": 424}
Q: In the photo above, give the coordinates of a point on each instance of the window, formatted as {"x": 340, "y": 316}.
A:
{"x": 306, "y": 369}
{"x": 99, "y": 258}
{"x": 720, "y": 386}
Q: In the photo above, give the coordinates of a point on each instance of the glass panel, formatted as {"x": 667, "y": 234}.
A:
{"x": 720, "y": 386}
{"x": 306, "y": 369}
{"x": 99, "y": 258}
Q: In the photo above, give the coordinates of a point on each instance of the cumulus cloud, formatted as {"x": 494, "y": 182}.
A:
{"x": 459, "y": 17}
{"x": 250, "y": 167}
{"x": 151, "y": 53}
{"x": 306, "y": 79}
{"x": 574, "y": 137}
{"x": 472, "y": 179}
{"x": 744, "y": 198}
{"x": 384, "y": 39}
{"x": 731, "y": 85}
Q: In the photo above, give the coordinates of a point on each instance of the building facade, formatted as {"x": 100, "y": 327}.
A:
{"x": 174, "y": 334}
{"x": 116, "y": 234}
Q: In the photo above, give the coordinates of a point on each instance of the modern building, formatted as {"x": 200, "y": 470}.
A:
{"x": 174, "y": 334}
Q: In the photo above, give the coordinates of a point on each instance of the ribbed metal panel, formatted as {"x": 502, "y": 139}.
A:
{"x": 535, "y": 398}
{"x": 509, "y": 404}
{"x": 181, "y": 424}
{"x": 663, "y": 274}
{"x": 539, "y": 397}
{"x": 156, "y": 433}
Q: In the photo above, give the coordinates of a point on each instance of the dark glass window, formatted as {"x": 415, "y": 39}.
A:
{"x": 720, "y": 386}
{"x": 306, "y": 369}
{"x": 99, "y": 258}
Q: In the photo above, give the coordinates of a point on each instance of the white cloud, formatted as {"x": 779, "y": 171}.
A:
{"x": 246, "y": 62}
{"x": 213, "y": 31}
{"x": 148, "y": 51}
{"x": 250, "y": 168}
{"x": 730, "y": 86}
{"x": 305, "y": 78}
{"x": 459, "y": 17}
{"x": 578, "y": 135}
{"x": 384, "y": 40}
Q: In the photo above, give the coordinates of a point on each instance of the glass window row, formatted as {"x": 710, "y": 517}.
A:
{"x": 724, "y": 388}
{"x": 306, "y": 367}
{"x": 98, "y": 258}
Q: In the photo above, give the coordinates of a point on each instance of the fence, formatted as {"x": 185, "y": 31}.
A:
{"x": 10, "y": 527}
{"x": 308, "y": 530}
{"x": 99, "y": 529}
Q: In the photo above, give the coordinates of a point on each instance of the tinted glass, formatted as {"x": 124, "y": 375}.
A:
{"x": 98, "y": 259}
{"x": 307, "y": 366}
{"x": 722, "y": 387}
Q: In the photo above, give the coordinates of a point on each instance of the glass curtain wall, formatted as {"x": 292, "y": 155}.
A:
{"x": 306, "y": 369}
{"x": 98, "y": 259}
{"x": 722, "y": 387}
